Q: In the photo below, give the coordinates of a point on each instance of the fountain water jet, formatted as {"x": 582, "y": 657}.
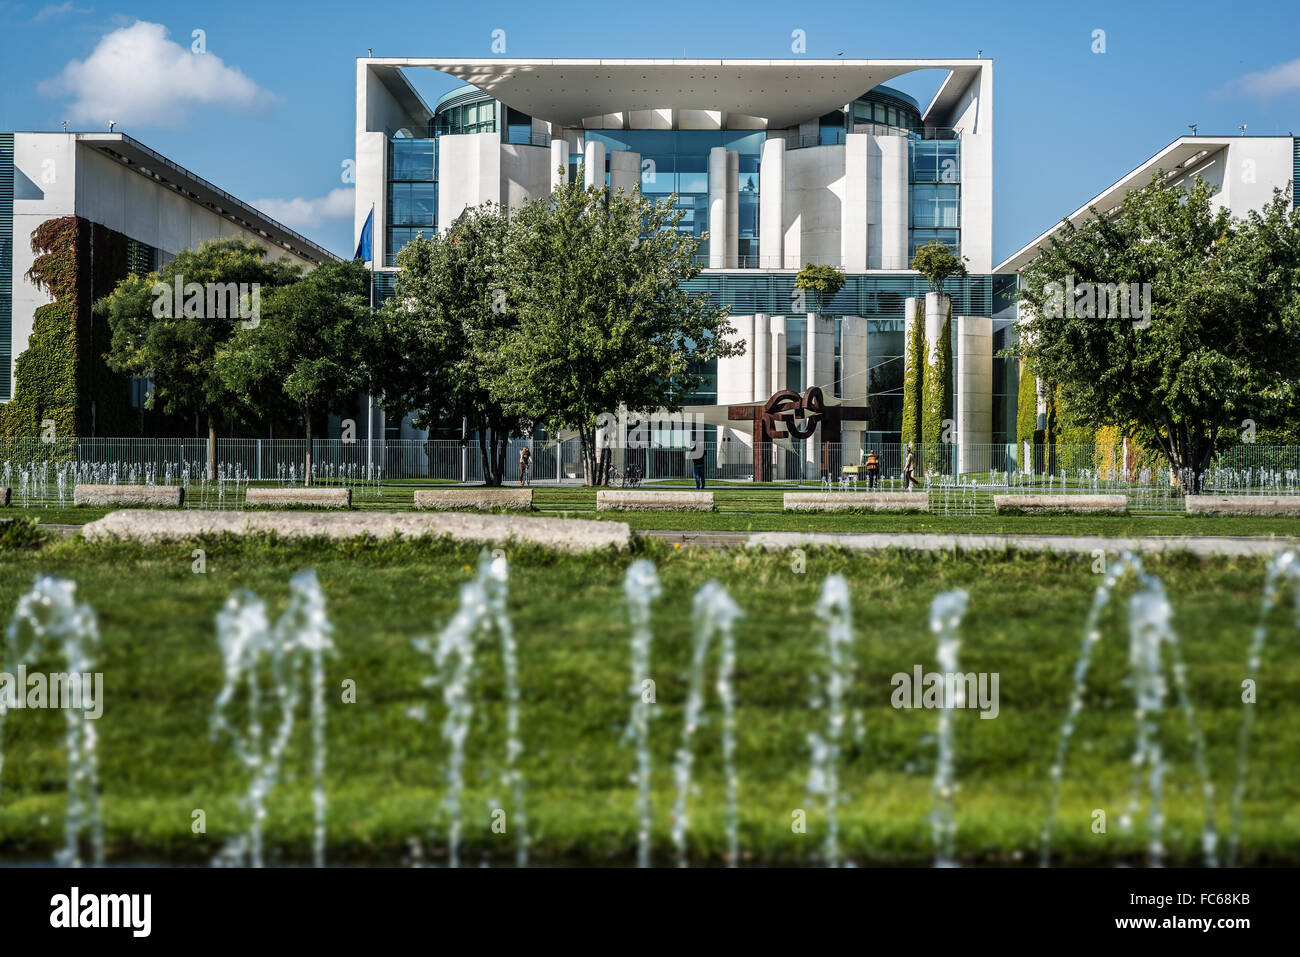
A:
{"x": 946, "y": 613}
{"x": 641, "y": 587}
{"x": 713, "y": 610}
{"x": 836, "y": 611}
{"x": 1284, "y": 569}
{"x": 46, "y": 614}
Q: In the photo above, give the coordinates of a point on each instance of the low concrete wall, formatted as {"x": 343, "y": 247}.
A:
{"x": 456, "y": 499}
{"x": 1114, "y": 504}
{"x": 643, "y": 501}
{"x": 864, "y": 501}
{"x": 318, "y": 497}
{"x": 1284, "y": 505}
{"x": 568, "y": 534}
{"x": 114, "y": 495}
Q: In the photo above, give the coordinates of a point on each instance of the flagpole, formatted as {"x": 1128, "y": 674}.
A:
{"x": 370, "y": 398}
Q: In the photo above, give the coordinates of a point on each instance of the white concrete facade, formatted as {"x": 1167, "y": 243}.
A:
{"x": 843, "y": 201}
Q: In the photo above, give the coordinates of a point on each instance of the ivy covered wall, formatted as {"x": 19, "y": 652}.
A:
{"x": 61, "y": 375}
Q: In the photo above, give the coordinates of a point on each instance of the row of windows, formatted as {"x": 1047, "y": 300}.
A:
{"x": 480, "y": 117}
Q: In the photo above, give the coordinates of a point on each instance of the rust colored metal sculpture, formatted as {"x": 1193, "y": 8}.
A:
{"x": 789, "y": 415}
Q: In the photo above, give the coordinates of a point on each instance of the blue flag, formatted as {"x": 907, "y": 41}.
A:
{"x": 365, "y": 246}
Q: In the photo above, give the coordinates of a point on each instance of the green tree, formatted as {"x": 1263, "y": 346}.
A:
{"x": 310, "y": 349}
{"x": 596, "y": 283}
{"x": 177, "y": 342}
{"x": 444, "y": 329}
{"x": 1172, "y": 316}
{"x": 824, "y": 281}
{"x": 936, "y": 262}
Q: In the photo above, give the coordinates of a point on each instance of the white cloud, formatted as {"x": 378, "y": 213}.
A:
{"x": 137, "y": 76}
{"x": 52, "y": 10}
{"x": 1283, "y": 78}
{"x": 334, "y": 206}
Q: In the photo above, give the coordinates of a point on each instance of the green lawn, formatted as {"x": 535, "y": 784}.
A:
{"x": 161, "y": 670}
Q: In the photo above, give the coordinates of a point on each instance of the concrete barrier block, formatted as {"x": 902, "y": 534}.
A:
{"x": 656, "y": 501}
{"x": 1112, "y": 504}
{"x": 119, "y": 495}
{"x": 856, "y": 501}
{"x": 299, "y": 496}
{"x": 567, "y": 534}
{"x": 461, "y": 499}
{"x": 1265, "y": 505}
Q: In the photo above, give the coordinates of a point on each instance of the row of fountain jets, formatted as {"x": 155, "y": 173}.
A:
{"x": 268, "y": 667}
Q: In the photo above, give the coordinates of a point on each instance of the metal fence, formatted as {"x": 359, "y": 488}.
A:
{"x": 964, "y": 477}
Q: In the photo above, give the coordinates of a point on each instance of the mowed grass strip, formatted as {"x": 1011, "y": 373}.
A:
{"x": 385, "y": 771}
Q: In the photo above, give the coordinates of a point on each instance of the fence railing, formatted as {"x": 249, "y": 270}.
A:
{"x": 45, "y": 472}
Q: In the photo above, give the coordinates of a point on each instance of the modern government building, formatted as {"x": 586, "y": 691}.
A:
{"x": 777, "y": 163}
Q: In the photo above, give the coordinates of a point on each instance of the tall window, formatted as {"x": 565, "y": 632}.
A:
{"x": 412, "y": 193}
{"x": 934, "y": 188}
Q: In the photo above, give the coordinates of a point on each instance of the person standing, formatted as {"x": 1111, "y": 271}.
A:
{"x": 872, "y": 465}
{"x": 699, "y": 471}
{"x": 909, "y": 470}
{"x": 525, "y": 460}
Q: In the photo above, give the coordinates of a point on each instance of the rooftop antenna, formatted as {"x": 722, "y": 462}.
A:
{"x": 1242, "y": 127}
{"x": 1192, "y": 127}
{"x": 111, "y": 124}
{"x": 979, "y": 54}
{"x": 65, "y": 126}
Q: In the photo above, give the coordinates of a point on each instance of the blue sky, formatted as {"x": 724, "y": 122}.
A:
{"x": 268, "y": 114}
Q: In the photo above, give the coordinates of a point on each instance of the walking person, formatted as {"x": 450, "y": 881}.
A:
{"x": 871, "y": 463}
{"x": 909, "y": 470}
{"x": 525, "y": 460}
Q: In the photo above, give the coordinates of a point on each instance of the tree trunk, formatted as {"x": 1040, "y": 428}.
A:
{"x": 212, "y": 447}
{"x": 306, "y": 470}
{"x": 484, "y": 456}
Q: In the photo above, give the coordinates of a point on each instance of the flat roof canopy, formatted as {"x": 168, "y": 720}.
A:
{"x": 784, "y": 92}
{"x": 1180, "y": 157}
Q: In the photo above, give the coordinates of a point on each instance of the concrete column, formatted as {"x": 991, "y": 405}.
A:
{"x": 624, "y": 171}
{"x": 469, "y": 174}
{"x": 594, "y": 165}
{"x": 893, "y": 202}
{"x": 733, "y": 209}
{"x": 718, "y": 217}
{"x": 819, "y": 366}
{"x": 937, "y": 305}
{"x": 771, "y": 204}
{"x": 778, "y": 356}
{"x": 853, "y": 208}
{"x": 762, "y": 356}
{"x": 736, "y": 373}
{"x": 974, "y": 391}
{"x": 853, "y": 360}
{"x": 559, "y": 163}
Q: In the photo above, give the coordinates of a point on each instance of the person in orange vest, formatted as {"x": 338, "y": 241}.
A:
{"x": 872, "y": 464}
